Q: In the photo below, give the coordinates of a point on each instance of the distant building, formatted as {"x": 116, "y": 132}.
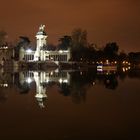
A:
{"x": 6, "y": 55}
{"x": 42, "y": 53}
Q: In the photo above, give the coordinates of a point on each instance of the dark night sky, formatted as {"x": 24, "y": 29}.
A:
{"x": 104, "y": 20}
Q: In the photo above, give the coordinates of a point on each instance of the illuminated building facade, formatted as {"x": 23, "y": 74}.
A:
{"x": 41, "y": 53}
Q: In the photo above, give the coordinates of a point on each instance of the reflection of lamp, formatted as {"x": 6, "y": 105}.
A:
{"x": 65, "y": 81}
{"x": 29, "y": 80}
{"x": 60, "y": 81}
{"x": 107, "y": 61}
{"x": 94, "y": 83}
{"x": 4, "y": 85}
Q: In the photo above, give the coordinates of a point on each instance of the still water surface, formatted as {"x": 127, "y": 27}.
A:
{"x": 70, "y": 105}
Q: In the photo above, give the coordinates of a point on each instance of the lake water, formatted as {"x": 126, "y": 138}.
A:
{"x": 68, "y": 105}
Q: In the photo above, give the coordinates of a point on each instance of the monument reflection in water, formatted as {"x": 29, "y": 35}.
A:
{"x": 41, "y": 79}
{"x": 87, "y": 104}
{"x": 70, "y": 83}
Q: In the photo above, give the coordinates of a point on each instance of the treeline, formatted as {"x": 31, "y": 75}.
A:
{"x": 81, "y": 49}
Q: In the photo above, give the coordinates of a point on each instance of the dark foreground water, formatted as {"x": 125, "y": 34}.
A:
{"x": 69, "y": 105}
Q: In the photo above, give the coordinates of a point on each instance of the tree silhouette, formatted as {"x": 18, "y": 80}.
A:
{"x": 111, "y": 50}
{"x": 3, "y": 35}
{"x": 79, "y": 44}
{"x": 65, "y": 42}
{"x": 122, "y": 56}
{"x": 23, "y": 42}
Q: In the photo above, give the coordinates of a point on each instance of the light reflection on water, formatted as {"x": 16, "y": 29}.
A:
{"x": 69, "y": 83}
{"x": 92, "y": 103}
